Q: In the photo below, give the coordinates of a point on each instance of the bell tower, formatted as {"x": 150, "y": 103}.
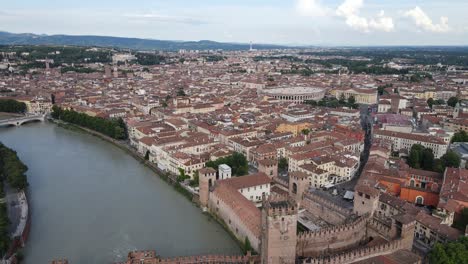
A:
{"x": 279, "y": 224}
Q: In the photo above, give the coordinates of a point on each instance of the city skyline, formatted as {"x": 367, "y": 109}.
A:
{"x": 298, "y": 22}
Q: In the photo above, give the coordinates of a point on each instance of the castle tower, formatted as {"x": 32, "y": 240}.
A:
{"x": 279, "y": 224}
{"x": 207, "y": 177}
{"x": 298, "y": 183}
{"x": 366, "y": 200}
{"x": 269, "y": 167}
{"x": 403, "y": 228}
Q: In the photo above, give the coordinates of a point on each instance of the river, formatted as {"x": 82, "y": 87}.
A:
{"x": 93, "y": 203}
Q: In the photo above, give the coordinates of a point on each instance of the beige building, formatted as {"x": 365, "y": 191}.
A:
{"x": 362, "y": 96}
{"x": 404, "y": 141}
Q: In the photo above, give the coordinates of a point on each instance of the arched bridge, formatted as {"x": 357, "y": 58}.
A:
{"x": 18, "y": 121}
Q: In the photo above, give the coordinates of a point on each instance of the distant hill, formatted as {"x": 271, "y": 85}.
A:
{"x": 7, "y": 38}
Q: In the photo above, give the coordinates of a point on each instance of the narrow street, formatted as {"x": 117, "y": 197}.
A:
{"x": 366, "y": 123}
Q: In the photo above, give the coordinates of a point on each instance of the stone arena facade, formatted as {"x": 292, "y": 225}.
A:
{"x": 295, "y": 94}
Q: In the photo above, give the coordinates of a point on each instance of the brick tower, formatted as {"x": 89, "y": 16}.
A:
{"x": 207, "y": 177}
{"x": 366, "y": 199}
{"x": 298, "y": 184}
{"x": 279, "y": 224}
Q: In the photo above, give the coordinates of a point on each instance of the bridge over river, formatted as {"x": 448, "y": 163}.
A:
{"x": 18, "y": 121}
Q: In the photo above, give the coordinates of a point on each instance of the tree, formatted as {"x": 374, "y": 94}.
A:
{"x": 310, "y": 102}
{"x": 282, "y": 163}
{"x": 351, "y": 100}
{"x": 12, "y": 169}
{"x": 12, "y": 106}
{"x": 147, "y": 155}
{"x": 342, "y": 100}
{"x": 452, "y": 101}
{"x": 305, "y": 131}
{"x": 181, "y": 92}
{"x": 237, "y": 161}
{"x": 427, "y": 161}
{"x": 455, "y": 252}
{"x": 196, "y": 179}
{"x": 247, "y": 245}
{"x": 462, "y": 221}
{"x": 460, "y": 136}
{"x": 415, "y": 156}
{"x": 430, "y": 102}
{"x": 182, "y": 176}
{"x": 114, "y": 128}
{"x": 438, "y": 166}
{"x": 451, "y": 159}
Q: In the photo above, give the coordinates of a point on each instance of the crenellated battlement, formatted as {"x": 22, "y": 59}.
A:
{"x": 206, "y": 259}
{"x": 150, "y": 257}
{"x": 358, "y": 254}
{"x": 358, "y": 224}
{"x": 280, "y": 205}
{"x": 326, "y": 203}
{"x": 281, "y": 182}
{"x": 381, "y": 227}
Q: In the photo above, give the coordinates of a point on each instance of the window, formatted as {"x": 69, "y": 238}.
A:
{"x": 420, "y": 200}
{"x": 294, "y": 188}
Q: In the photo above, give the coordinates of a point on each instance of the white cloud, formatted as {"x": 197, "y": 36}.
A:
{"x": 382, "y": 23}
{"x": 423, "y": 21}
{"x": 312, "y": 8}
{"x": 349, "y": 10}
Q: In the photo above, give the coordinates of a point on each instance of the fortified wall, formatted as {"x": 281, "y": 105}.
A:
{"x": 242, "y": 225}
{"x": 150, "y": 257}
{"x": 359, "y": 254}
{"x": 207, "y": 259}
{"x": 325, "y": 209}
{"x": 326, "y": 241}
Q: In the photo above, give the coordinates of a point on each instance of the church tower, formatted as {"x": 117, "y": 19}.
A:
{"x": 279, "y": 224}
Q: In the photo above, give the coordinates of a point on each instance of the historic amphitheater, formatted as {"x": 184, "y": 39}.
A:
{"x": 295, "y": 94}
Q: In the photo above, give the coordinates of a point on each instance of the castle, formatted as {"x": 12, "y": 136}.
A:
{"x": 350, "y": 236}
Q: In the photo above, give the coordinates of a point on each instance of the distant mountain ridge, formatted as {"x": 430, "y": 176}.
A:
{"x": 7, "y": 38}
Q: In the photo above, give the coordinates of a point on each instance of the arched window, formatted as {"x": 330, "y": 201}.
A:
{"x": 411, "y": 182}
{"x": 294, "y": 188}
{"x": 419, "y": 200}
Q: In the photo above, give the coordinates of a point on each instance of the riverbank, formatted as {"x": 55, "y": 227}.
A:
{"x": 15, "y": 213}
{"x": 167, "y": 177}
{"x": 82, "y": 187}
{"x": 171, "y": 179}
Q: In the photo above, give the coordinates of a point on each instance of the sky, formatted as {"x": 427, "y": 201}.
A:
{"x": 292, "y": 22}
